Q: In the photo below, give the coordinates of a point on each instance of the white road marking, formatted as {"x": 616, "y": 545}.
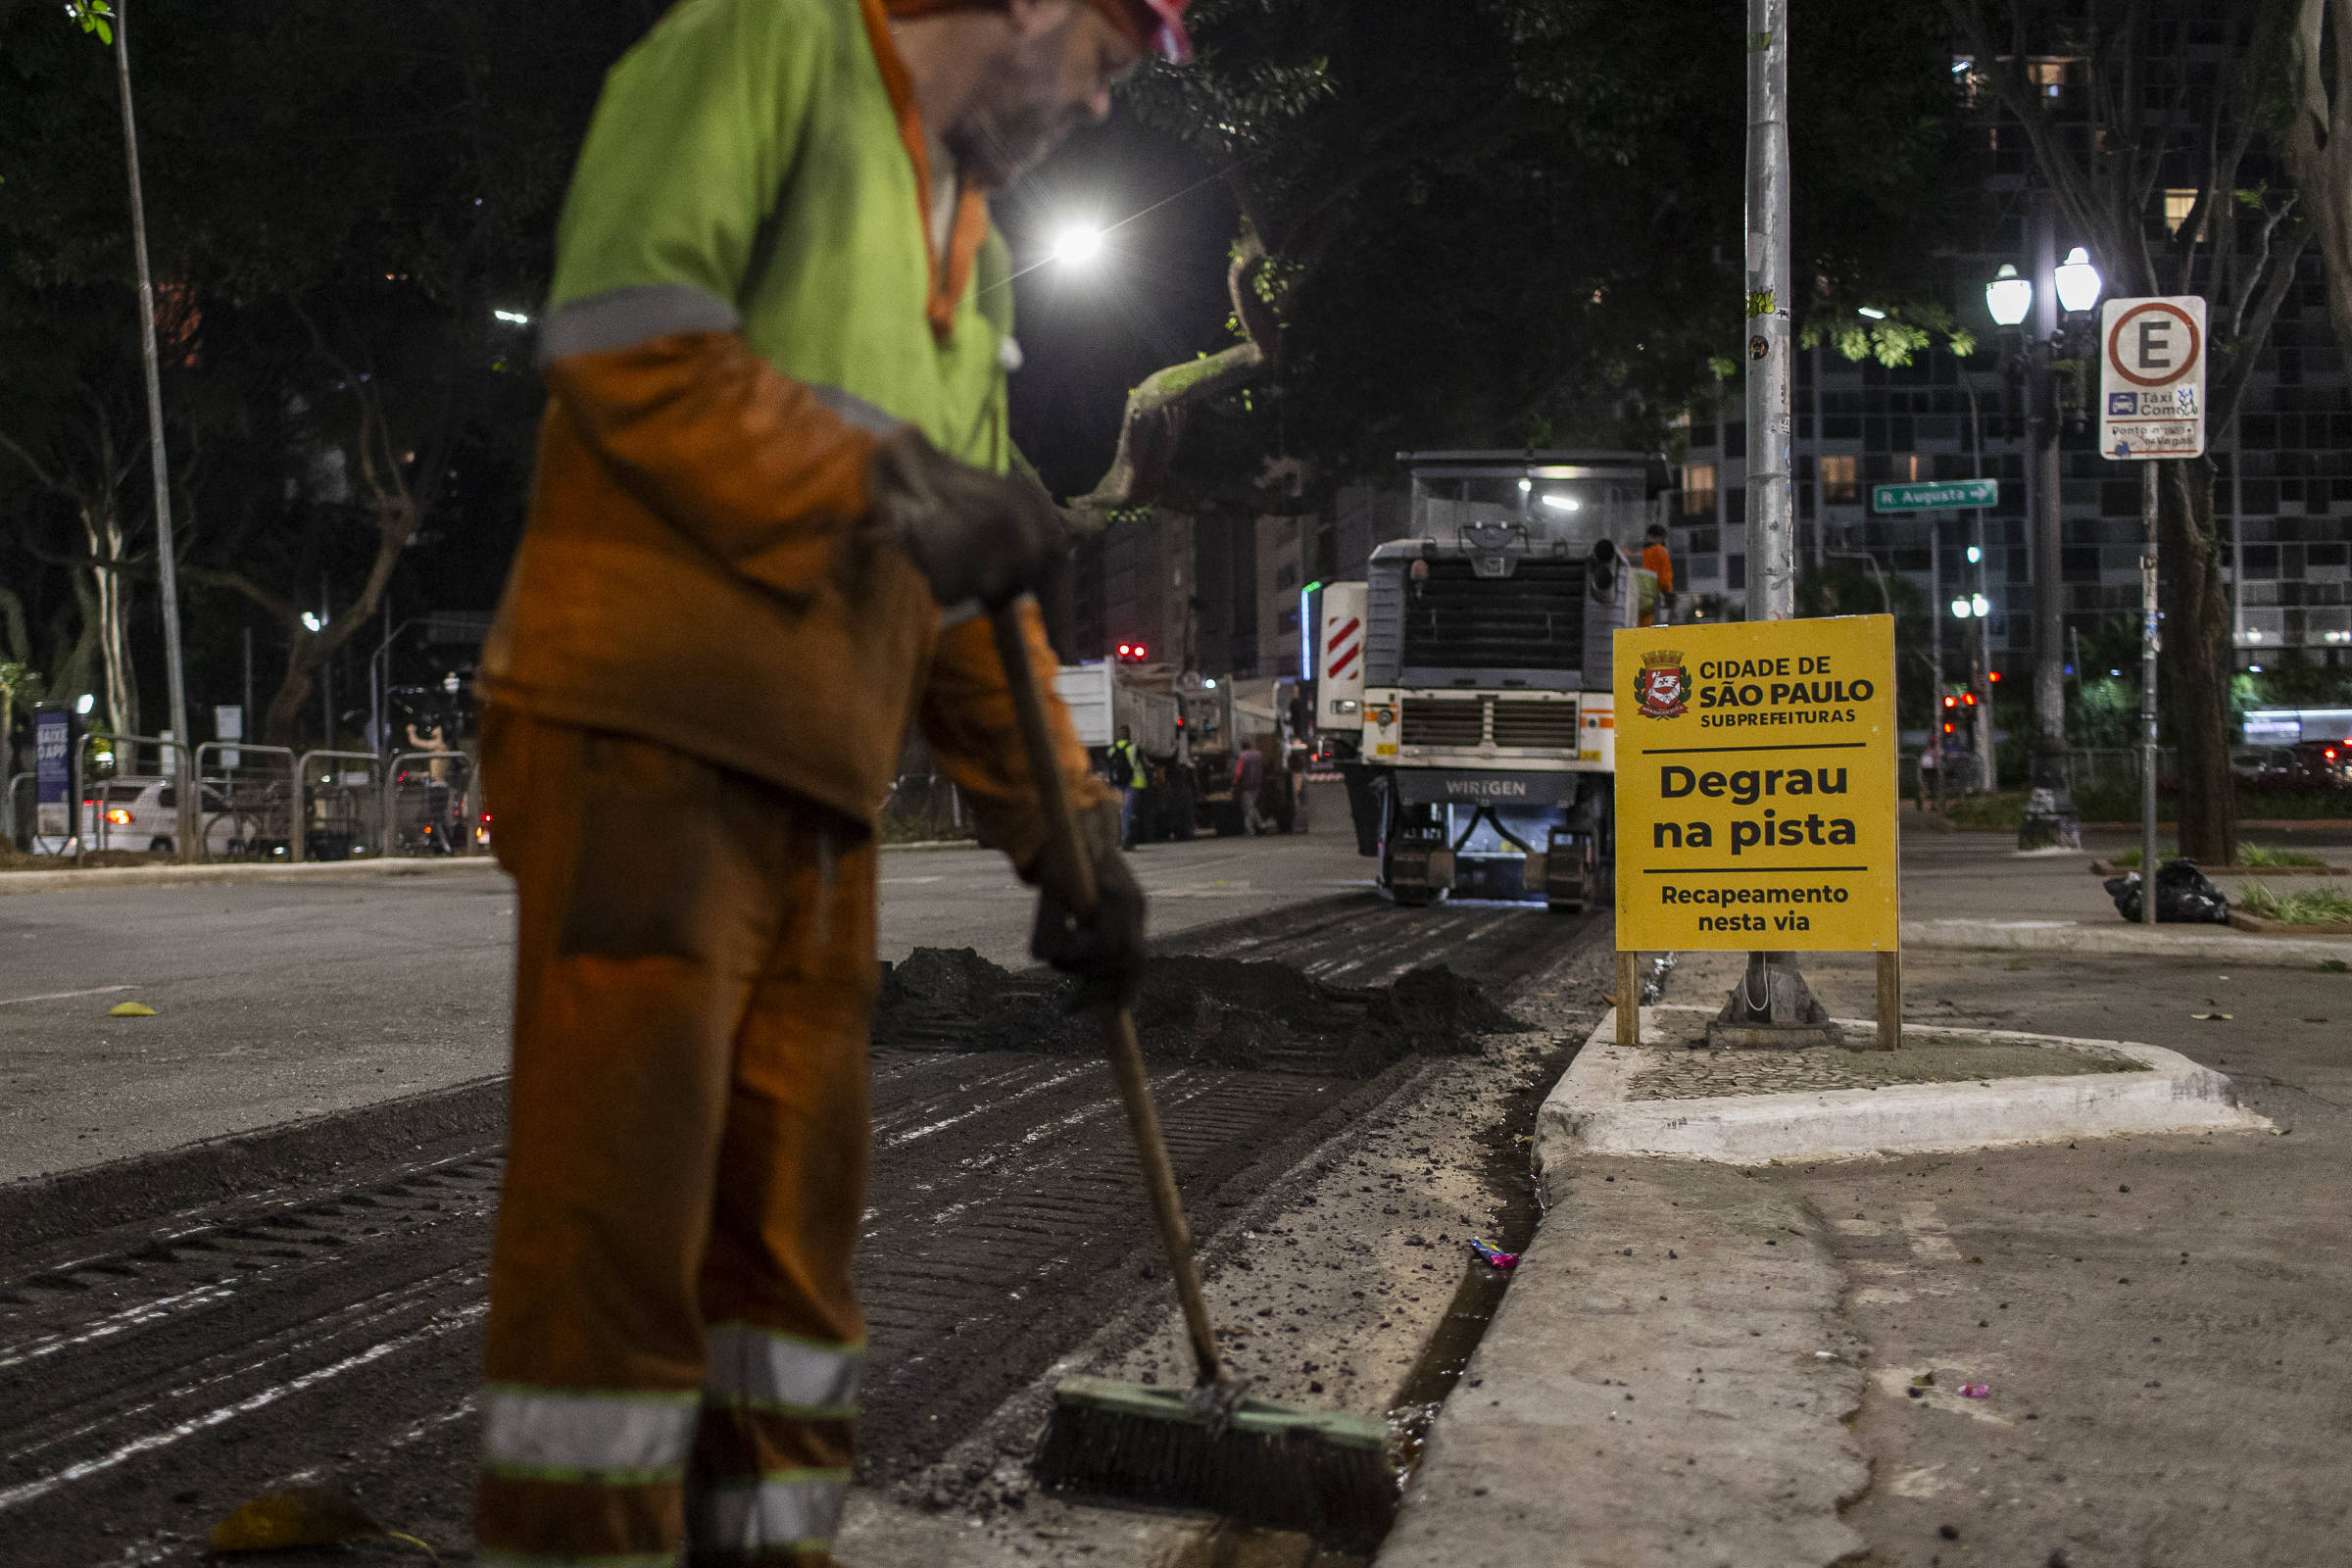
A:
{"x": 219, "y": 1416}
{"x": 60, "y": 995}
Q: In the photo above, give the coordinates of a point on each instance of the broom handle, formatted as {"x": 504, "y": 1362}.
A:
{"x": 1118, "y": 1026}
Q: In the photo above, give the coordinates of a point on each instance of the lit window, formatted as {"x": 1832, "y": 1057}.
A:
{"x": 2178, "y": 205}
{"x": 2047, "y": 75}
{"x": 1838, "y": 486}
{"x": 1698, "y": 489}
{"x": 1905, "y": 467}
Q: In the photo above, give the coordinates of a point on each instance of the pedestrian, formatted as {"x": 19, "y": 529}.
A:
{"x": 772, "y": 500}
{"x": 437, "y": 825}
{"x": 1248, "y": 782}
{"x": 1924, "y": 773}
{"x": 1657, "y": 560}
{"x": 1129, "y": 778}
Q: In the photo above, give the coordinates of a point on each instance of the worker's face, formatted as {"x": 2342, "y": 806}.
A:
{"x": 1056, "y": 68}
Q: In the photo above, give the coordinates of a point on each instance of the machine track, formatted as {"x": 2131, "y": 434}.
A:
{"x": 154, "y": 1374}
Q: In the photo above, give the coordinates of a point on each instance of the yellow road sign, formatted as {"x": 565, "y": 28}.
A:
{"x": 1756, "y": 786}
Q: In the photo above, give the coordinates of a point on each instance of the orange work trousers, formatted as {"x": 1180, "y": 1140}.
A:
{"x": 673, "y": 1338}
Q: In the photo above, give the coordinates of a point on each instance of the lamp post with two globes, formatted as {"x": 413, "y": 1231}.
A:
{"x": 2046, "y": 367}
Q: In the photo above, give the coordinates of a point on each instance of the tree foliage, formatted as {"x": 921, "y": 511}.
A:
{"x": 1520, "y": 221}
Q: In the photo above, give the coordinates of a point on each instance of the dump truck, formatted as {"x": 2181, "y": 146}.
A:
{"x": 1478, "y": 742}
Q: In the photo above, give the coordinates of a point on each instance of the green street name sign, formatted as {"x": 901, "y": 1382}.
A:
{"x": 1933, "y": 497}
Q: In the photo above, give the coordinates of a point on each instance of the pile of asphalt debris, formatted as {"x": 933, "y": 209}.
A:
{"x": 1220, "y": 1012}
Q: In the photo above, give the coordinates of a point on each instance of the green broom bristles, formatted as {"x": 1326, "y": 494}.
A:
{"x": 1319, "y": 1472}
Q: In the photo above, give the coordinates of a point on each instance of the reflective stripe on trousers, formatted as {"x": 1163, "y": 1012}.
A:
{"x": 596, "y": 1439}
{"x": 787, "y": 1511}
{"x": 783, "y": 1373}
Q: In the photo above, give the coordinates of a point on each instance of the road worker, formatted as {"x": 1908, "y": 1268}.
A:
{"x": 1128, "y": 778}
{"x": 773, "y": 503}
{"x": 1658, "y": 559}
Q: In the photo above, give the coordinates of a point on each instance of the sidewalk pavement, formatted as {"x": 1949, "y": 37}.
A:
{"x": 2096, "y": 1351}
{"x": 1976, "y": 891}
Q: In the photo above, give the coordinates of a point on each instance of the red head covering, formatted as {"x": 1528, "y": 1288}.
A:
{"x": 1156, "y": 25}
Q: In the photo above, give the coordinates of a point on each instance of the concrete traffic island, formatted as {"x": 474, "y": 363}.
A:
{"x": 1948, "y": 1089}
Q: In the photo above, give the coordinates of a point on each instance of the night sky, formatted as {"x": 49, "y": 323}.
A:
{"x": 1154, "y": 296}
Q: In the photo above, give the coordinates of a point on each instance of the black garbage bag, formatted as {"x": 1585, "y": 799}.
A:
{"x": 2185, "y": 896}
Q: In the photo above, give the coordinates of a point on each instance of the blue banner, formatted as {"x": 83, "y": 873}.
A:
{"x": 53, "y": 772}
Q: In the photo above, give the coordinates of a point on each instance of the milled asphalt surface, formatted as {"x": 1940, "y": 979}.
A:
{"x": 2160, "y": 1320}
{"x": 277, "y": 1000}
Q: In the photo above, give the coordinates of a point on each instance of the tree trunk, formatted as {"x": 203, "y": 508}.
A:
{"x": 2197, "y": 660}
{"x": 2318, "y": 148}
{"x": 111, "y": 587}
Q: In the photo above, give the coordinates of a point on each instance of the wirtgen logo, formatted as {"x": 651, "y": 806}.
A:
{"x": 1662, "y": 688}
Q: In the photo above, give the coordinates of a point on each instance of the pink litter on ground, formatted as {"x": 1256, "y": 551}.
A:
{"x": 1493, "y": 1257}
{"x": 1975, "y": 1390}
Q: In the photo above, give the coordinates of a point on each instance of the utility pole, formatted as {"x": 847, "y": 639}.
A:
{"x": 1773, "y": 993}
{"x": 2150, "y": 641}
{"x": 166, "y": 562}
{"x": 1936, "y": 650}
{"x": 2051, "y": 820}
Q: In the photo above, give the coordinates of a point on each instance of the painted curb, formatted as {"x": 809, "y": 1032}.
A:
{"x": 144, "y": 876}
{"x": 1585, "y": 1113}
{"x": 2121, "y": 940}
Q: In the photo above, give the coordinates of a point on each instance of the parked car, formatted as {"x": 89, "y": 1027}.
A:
{"x": 2328, "y": 763}
{"x": 143, "y": 814}
{"x": 2275, "y": 763}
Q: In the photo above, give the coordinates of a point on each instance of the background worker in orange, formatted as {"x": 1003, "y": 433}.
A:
{"x": 1656, "y": 558}
{"x": 771, "y": 505}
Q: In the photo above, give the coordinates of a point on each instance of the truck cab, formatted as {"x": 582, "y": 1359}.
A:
{"x": 1485, "y": 731}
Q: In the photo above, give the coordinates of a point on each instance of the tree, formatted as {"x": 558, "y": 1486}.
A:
{"x": 2315, "y": 141}
{"x": 2149, "y": 116}
{"x": 1515, "y": 220}
{"x": 338, "y": 198}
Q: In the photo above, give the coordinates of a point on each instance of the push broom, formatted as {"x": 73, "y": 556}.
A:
{"x": 1325, "y": 1473}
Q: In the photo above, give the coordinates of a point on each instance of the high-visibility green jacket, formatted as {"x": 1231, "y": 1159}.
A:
{"x": 745, "y": 298}
{"x": 1127, "y": 766}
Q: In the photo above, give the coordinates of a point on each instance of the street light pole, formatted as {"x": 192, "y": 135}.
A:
{"x": 2050, "y": 820}
{"x": 1771, "y": 392}
{"x": 184, "y": 750}
{"x": 1772, "y": 994}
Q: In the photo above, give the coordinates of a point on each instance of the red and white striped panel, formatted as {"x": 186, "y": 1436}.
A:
{"x": 1343, "y": 646}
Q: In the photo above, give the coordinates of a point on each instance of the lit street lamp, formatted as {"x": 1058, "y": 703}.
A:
{"x": 1078, "y": 244}
{"x": 2045, "y": 366}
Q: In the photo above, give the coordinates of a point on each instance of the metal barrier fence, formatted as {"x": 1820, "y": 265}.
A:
{"x": 246, "y": 806}
{"x": 428, "y": 804}
{"x": 340, "y": 808}
{"x": 2117, "y": 767}
{"x": 267, "y": 802}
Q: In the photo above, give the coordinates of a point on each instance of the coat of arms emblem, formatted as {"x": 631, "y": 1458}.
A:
{"x": 1663, "y": 685}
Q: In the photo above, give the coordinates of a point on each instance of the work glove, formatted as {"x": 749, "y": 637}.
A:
{"x": 1105, "y": 953}
{"x": 973, "y": 533}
